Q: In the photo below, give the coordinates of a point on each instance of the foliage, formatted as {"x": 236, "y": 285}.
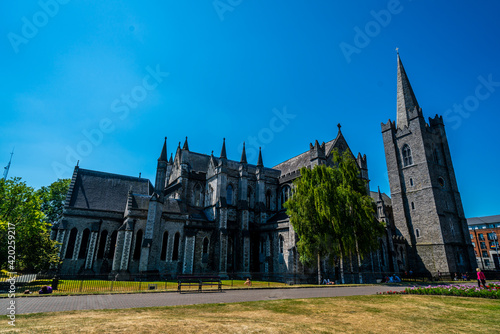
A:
{"x": 331, "y": 211}
{"x": 20, "y": 212}
{"x": 491, "y": 291}
{"x": 53, "y": 198}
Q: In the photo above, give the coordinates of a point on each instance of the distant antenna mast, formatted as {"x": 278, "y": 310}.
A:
{"x": 6, "y": 171}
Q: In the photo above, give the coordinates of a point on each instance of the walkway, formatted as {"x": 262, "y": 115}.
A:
{"x": 121, "y": 301}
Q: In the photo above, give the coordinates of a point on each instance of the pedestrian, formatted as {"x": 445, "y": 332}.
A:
{"x": 480, "y": 278}
{"x": 248, "y": 282}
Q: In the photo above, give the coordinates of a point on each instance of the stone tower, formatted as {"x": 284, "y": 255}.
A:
{"x": 428, "y": 211}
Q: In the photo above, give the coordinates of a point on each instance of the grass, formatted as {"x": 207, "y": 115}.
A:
{"x": 357, "y": 314}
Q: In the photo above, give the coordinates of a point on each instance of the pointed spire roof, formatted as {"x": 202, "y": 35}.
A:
{"x": 243, "y": 155}
{"x": 171, "y": 161}
{"x": 223, "y": 151}
{"x": 186, "y": 146}
{"x": 163, "y": 155}
{"x": 406, "y": 99}
{"x": 259, "y": 161}
{"x": 380, "y": 195}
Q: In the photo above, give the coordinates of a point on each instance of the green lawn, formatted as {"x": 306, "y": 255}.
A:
{"x": 358, "y": 314}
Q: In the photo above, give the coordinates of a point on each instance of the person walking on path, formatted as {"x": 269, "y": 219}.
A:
{"x": 480, "y": 278}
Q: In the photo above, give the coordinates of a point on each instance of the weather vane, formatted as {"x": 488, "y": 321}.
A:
{"x": 397, "y": 50}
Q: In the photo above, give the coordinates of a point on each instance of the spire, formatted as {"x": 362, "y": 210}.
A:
{"x": 405, "y": 97}
{"x": 163, "y": 155}
{"x": 186, "y": 146}
{"x": 243, "y": 155}
{"x": 223, "y": 151}
{"x": 259, "y": 161}
{"x": 380, "y": 195}
{"x": 171, "y": 161}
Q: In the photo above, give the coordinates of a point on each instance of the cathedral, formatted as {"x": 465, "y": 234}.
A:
{"x": 211, "y": 214}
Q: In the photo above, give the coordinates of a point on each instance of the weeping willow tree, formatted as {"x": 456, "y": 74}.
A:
{"x": 332, "y": 213}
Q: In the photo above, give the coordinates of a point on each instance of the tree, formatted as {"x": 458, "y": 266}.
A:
{"x": 332, "y": 213}
{"x": 53, "y": 198}
{"x": 20, "y": 212}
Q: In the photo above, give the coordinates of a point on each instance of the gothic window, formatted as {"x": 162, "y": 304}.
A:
{"x": 164, "y": 243}
{"x": 282, "y": 241}
{"x": 262, "y": 246}
{"x": 411, "y": 182}
{"x": 137, "y": 248}
{"x": 407, "y": 158}
{"x": 71, "y": 243}
{"x": 102, "y": 244}
{"x": 285, "y": 193}
{"x": 417, "y": 232}
{"x": 412, "y": 206}
{"x": 268, "y": 200}
{"x": 382, "y": 253}
{"x": 198, "y": 196}
{"x": 452, "y": 228}
{"x": 84, "y": 244}
{"x": 175, "y": 253}
{"x": 435, "y": 155}
{"x": 112, "y": 245}
{"x": 250, "y": 198}
{"x": 204, "y": 254}
{"x": 229, "y": 195}
{"x": 205, "y": 245}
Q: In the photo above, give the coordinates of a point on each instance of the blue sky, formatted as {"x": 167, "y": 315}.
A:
{"x": 105, "y": 82}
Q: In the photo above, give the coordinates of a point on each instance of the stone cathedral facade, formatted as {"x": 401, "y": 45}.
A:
{"x": 211, "y": 214}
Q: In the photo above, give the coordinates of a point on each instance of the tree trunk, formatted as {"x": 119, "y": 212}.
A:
{"x": 342, "y": 269}
{"x": 359, "y": 263}
{"x": 319, "y": 269}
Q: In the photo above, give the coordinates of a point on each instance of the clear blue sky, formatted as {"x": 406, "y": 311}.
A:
{"x": 227, "y": 68}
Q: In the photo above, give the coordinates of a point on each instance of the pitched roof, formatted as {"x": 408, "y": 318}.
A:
{"x": 105, "y": 191}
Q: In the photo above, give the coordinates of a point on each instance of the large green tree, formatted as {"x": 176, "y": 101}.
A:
{"x": 20, "y": 211}
{"x": 53, "y": 198}
{"x": 332, "y": 213}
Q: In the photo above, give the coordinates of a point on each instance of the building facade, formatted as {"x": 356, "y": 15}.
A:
{"x": 484, "y": 232}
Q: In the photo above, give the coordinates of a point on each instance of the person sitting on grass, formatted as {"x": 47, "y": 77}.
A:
{"x": 395, "y": 279}
{"x": 248, "y": 282}
{"x": 45, "y": 290}
{"x": 326, "y": 281}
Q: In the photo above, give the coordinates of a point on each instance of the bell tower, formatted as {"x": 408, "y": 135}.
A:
{"x": 428, "y": 211}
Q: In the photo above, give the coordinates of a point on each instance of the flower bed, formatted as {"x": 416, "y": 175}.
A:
{"x": 491, "y": 291}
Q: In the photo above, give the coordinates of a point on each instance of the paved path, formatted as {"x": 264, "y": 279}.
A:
{"x": 120, "y": 301}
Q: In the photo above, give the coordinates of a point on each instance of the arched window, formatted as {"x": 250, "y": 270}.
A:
{"x": 204, "y": 252}
{"x": 282, "y": 242}
{"x": 84, "y": 244}
{"x": 198, "y": 196}
{"x": 229, "y": 195}
{"x": 205, "y": 245}
{"x": 250, "y": 198}
{"x": 284, "y": 195}
{"x": 112, "y": 245}
{"x": 407, "y": 158}
{"x": 138, "y": 243}
{"x": 164, "y": 243}
{"x": 268, "y": 199}
{"x": 175, "y": 253}
{"x": 71, "y": 243}
{"x": 417, "y": 233}
{"x": 102, "y": 244}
